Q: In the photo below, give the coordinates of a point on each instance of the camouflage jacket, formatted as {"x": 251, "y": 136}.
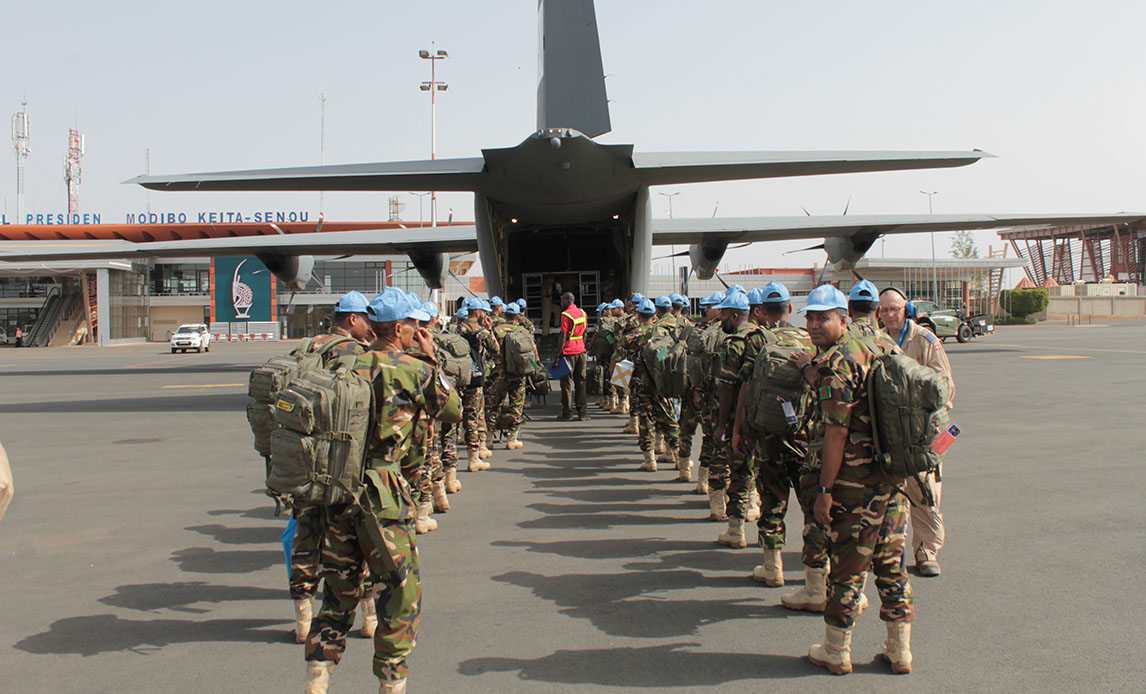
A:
{"x": 354, "y": 347}
{"x": 478, "y": 334}
{"x": 634, "y": 340}
{"x": 746, "y": 340}
{"x": 781, "y": 331}
{"x": 841, "y": 399}
{"x": 605, "y": 332}
{"x": 525, "y": 322}
{"x": 866, "y": 328}
{"x": 499, "y": 332}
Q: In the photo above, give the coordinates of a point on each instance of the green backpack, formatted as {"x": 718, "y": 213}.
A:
{"x": 700, "y": 357}
{"x": 908, "y": 403}
{"x": 268, "y": 380}
{"x": 456, "y": 360}
{"x": 520, "y": 354}
{"x": 664, "y": 358}
{"x": 318, "y": 453}
{"x": 779, "y": 400}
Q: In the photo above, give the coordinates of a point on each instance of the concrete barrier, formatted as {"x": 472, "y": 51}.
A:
{"x": 1060, "y": 307}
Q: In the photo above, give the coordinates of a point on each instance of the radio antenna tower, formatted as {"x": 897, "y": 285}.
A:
{"x": 72, "y": 170}
{"x": 20, "y": 140}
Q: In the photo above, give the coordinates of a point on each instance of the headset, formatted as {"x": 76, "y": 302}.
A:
{"x": 909, "y": 310}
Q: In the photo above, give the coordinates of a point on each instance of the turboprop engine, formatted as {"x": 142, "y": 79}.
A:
{"x": 705, "y": 256}
{"x": 293, "y": 270}
{"x": 844, "y": 252}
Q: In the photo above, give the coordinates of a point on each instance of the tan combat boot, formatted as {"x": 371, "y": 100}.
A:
{"x": 659, "y": 445}
{"x": 626, "y": 406}
{"x": 453, "y": 486}
{"x": 318, "y": 676}
{"x": 701, "y": 481}
{"x": 734, "y": 537}
{"x": 753, "y": 511}
{"x": 392, "y": 686}
{"x": 441, "y": 501}
{"x": 835, "y": 653}
{"x": 424, "y": 522}
{"x": 484, "y": 452}
{"x": 512, "y": 444}
{"x": 650, "y": 464}
{"x": 897, "y": 648}
{"x": 631, "y": 427}
{"x": 369, "y": 616}
{"x": 302, "y": 616}
{"x": 716, "y": 505}
{"x": 771, "y": 572}
{"x": 684, "y": 467}
{"x": 476, "y": 463}
{"x": 813, "y": 597}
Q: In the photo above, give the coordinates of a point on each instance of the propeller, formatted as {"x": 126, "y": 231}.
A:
{"x": 717, "y": 276}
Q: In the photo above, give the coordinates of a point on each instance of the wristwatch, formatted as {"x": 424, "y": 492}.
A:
{"x": 824, "y": 490}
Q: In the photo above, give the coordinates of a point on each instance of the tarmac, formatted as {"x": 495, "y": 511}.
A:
{"x": 140, "y": 554}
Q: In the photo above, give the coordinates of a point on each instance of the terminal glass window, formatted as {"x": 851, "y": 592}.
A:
{"x": 180, "y": 278}
{"x": 25, "y": 287}
{"x": 128, "y": 304}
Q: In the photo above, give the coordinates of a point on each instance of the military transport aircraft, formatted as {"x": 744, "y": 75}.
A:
{"x": 551, "y": 203}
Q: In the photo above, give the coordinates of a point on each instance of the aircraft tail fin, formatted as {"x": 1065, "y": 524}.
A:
{"x": 571, "y": 77}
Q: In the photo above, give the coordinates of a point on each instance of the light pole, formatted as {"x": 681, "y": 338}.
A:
{"x": 421, "y": 223}
{"x": 934, "y": 273}
{"x": 670, "y": 196}
{"x": 433, "y": 87}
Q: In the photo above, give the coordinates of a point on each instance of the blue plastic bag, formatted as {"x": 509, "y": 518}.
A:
{"x": 288, "y": 541}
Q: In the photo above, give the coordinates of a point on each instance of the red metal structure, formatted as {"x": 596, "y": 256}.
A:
{"x": 1064, "y": 255}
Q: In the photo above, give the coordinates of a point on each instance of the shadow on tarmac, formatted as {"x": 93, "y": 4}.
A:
{"x": 670, "y": 665}
{"x": 118, "y": 371}
{"x": 204, "y": 560}
{"x": 228, "y": 402}
{"x": 239, "y": 536}
{"x": 105, "y": 633}
{"x": 179, "y": 597}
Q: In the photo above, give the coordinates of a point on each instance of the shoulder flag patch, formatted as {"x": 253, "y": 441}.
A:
{"x": 825, "y": 393}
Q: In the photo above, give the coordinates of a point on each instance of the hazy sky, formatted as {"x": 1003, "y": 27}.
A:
{"x": 1056, "y": 89}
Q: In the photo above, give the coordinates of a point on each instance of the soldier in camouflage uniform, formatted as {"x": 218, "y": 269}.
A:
{"x": 381, "y": 537}
{"x": 599, "y": 346}
{"x": 633, "y": 341}
{"x": 349, "y": 322}
{"x": 667, "y": 437}
{"x": 865, "y": 514}
{"x": 729, "y": 469}
{"x": 473, "y": 398}
{"x": 506, "y": 387}
{"x": 424, "y": 461}
{"x": 625, "y": 319}
{"x": 522, "y": 318}
{"x": 697, "y": 409}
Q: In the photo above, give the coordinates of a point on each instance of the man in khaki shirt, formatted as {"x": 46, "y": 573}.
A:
{"x": 5, "y": 482}
{"x": 921, "y": 345}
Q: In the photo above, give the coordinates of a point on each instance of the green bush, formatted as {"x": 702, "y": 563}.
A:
{"x": 1023, "y": 302}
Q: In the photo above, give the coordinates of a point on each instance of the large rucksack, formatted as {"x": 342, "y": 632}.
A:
{"x": 664, "y": 358}
{"x": 908, "y": 403}
{"x": 268, "y": 380}
{"x": 318, "y": 452}
{"x": 779, "y": 400}
{"x": 700, "y": 356}
{"x": 456, "y": 360}
{"x": 520, "y": 354}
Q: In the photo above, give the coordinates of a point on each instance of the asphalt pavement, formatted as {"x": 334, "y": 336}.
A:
{"x": 140, "y": 554}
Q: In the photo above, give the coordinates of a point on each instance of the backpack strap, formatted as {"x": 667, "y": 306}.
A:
{"x": 332, "y": 343}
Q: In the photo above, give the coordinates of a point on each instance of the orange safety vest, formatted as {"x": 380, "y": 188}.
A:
{"x": 580, "y": 324}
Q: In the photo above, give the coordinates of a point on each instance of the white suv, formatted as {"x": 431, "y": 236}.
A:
{"x": 191, "y": 336}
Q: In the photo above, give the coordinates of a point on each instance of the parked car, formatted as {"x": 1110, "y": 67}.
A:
{"x": 194, "y": 336}
{"x": 3, "y": 336}
{"x": 950, "y": 322}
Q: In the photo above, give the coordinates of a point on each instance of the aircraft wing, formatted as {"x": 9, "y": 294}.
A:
{"x": 448, "y": 239}
{"x": 431, "y": 174}
{"x": 671, "y": 168}
{"x": 753, "y": 229}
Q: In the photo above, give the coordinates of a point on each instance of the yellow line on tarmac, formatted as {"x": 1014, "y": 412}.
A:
{"x": 4, "y": 366}
{"x": 1072, "y": 349}
{"x": 211, "y": 385}
{"x": 1056, "y": 356}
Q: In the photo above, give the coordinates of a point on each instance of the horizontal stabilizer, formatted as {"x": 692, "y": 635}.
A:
{"x": 430, "y": 174}
{"x": 671, "y": 168}
{"x": 449, "y": 239}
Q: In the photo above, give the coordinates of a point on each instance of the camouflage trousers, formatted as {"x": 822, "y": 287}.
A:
{"x": 741, "y": 473}
{"x": 346, "y": 553}
{"x": 815, "y": 550}
{"x": 689, "y": 419}
{"x": 641, "y": 406}
{"x": 664, "y": 419}
{"x": 448, "y": 446}
{"x": 473, "y": 417}
{"x": 868, "y": 532}
{"x": 511, "y": 389}
{"x": 718, "y": 467}
{"x": 778, "y": 473}
{"x": 306, "y": 553}
{"x": 432, "y": 471}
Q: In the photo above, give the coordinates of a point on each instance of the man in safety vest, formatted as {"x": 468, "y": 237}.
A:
{"x": 574, "y": 325}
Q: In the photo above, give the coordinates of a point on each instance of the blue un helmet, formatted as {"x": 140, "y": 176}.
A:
{"x": 712, "y": 299}
{"x": 496, "y": 301}
{"x": 352, "y": 302}
{"x": 522, "y": 303}
{"x": 512, "y": 309}
{"x": 678, "y": 299}
{"x": 663, "y": 302}
{"x": 775, "y": 293}
{"x": 637, "y": 298}
{"x": 863, "y": 291}
{"x": 756, "y": 297}
{"x": 431, "y": 308}
{"x": 825, "y": 298}
{"x": 646, "y": 307}
{"x": 617, "y": 303}
{"x": 417, "y": 311}
{"x": 462, "y": 313}
{"x": 734, "y": 288}
{"x": 391, "y": 305}
{"x": 602, "y": 306}
{"x": 737, "y": 301}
